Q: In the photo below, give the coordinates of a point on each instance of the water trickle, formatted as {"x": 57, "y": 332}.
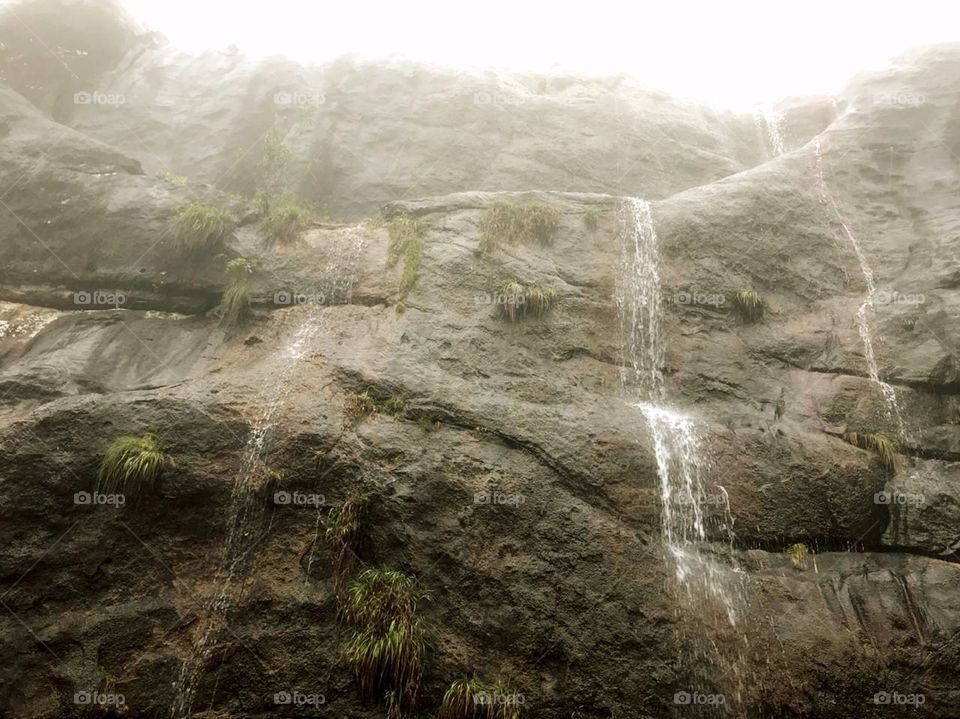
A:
{"x": 246, "y": 514}
{"x": 773, "y": 125}
{"x": 683, "y": 492}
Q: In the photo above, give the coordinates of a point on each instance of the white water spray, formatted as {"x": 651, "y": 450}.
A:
{"x": 773, "y": 125}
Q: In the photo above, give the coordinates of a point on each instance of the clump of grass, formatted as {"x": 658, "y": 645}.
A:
{"x": 749, "y": 305}
{"x": 199, "y": 226}
{"x": 878, "y": 443}
{"x": 504, "y": 222}
{"x": 428, "y": 425}
{"x": 407, "y": 236}
{"x": 388, "y": 644}
{"x": 360, "y": 405}
{"x": 517, "y": 302}
{"x": 235, "y": 303}
{"x": 591, "y": 218}
{"x": 173, "y": 179}
{"x": 285, "y": 222}
{"x": 344, "y": 533}
{"x": 132, "y": 466}
{"x": 798, "y": 555}
{"x": 469, "y": 698}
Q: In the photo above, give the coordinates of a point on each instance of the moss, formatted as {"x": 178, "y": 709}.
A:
{"x": 428, "y": 425}
{"x": 178, "y": 180}
{"x": 407, "y": 238}
{"x": 394, "y": 406}
{"x": 880, "y": 444}
{"x": 749, "y": 305}
{"x": 132, "y": 466}
{"x": 517, "y": 302}
{"x": 201, "y": 227}
{"x": 235, "y": 305}
{"x": 505, "y": 222}
{"x": 285, "y": 222}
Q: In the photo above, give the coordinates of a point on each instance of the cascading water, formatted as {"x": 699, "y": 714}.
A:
{"x": 773, "y": 126}
{"x": 867, "y": 307}
{"x": 683, "y": 492}
{"x": 246, "y": 502}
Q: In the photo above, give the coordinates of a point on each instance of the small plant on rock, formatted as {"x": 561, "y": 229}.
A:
{"x": 235, "y": 305}
{"x": 517, "y": 302}
{"x": 285, "y": 222}
{"x": 201, "y": 227}
{"x": 407, "y": 237}
{"x": 358, "y": 406}
{"x": 798, "y": 555}
{"x": 132, "y": 466}
{"x": 174, "y": 179}
{"x": 344, "y": 533}
{"x": 505, "y": 222}
{"x": 461, "y": 700}
{"x": 878, "y": 443}
{"x": 749, "y": 305}
{"x": 591, "y": 218}
{"x": 388, "y": 644}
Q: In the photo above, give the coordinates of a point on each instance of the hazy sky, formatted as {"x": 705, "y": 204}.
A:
{"x": 726, "y": 52}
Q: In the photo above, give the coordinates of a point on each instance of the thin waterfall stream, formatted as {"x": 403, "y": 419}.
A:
{"x": 699, "y": 574}
{"x": 247, "y": 508}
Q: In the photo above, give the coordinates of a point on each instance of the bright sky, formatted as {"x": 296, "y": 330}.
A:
{"x": 733, "y": 53}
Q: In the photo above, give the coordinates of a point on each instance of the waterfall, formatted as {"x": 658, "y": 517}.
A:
{"x": 867, "y": 307}
{"x": 246, "y": 508}
{"x": 683, "y": 492}
{"x": 773, "y": 125}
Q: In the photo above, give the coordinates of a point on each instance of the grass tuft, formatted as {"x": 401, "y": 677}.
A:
{"x": 749, "y": 305}
{"x": 517, "y": 302}
{"x": 132, "y": 465}
{"x": 174, "y": 179}
{"x": 798, "y": 555}
{"x": 235, "y": 307}
{"x": 284, "y": 223}
{"x": 591, "y": 219}
{"x": 360, "y": 405}
{"x": 878, "y": 443}
{"x": 505, "y": 222}
{"x": 201, "y": 227}
{"x": 407, "y": 235}
{"x": 344, "y": 533}
{"x": 388, "y": 644}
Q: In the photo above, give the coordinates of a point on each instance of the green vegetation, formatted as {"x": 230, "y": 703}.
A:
{"x": 173, "y": 179}
{"x": 235, "y": 303}
{"x": 285, "y": 222}
{"x": 271, "y": 169}
{"x": 388, "y": 644}
{"x": 132, "y": 466}
{"x": 428, "y": 425}
{"x": 344, "y": 533}
{"x": 407, "y": 235}
{"x": 749, "y": 305}
{"x": 201, "y": 227}
{"x": 798, "y": 555}
{"x": 591, "y": 219}
{"x": 878, "y": 443}
{"x": 360, "y": 405}
{"x": 517, "y": 302}
{"x": 504, "y": 222}
{"x": 469, "y": 698}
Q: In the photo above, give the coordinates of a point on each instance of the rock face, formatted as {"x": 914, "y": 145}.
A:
{"x": 515, "y": 482}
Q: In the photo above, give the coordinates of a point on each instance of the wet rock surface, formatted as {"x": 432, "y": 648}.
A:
{"x": 562, "y": 592}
